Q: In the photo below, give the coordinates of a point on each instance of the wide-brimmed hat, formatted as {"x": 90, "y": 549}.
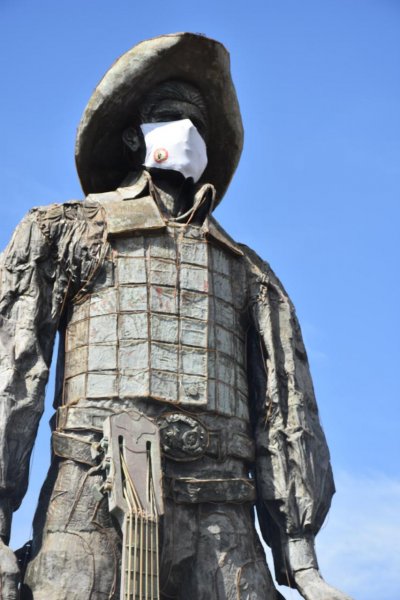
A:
{"x": 180, "y": 56}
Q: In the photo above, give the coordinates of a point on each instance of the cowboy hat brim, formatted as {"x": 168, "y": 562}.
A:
{"x": 182, "y": 56}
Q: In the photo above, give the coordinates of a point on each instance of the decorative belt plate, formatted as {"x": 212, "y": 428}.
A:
{"x": 182, "y": 437}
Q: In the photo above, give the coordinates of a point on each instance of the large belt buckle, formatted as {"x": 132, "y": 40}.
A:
{"x": 182, "y": 437}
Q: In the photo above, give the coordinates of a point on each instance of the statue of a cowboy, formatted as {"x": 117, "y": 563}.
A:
{"x": 183, "y": 396}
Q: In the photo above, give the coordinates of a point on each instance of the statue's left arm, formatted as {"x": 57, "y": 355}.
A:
{"x": 293, "y": 472}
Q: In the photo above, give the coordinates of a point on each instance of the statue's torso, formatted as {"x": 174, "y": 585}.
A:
{"x": 166, "y": 319}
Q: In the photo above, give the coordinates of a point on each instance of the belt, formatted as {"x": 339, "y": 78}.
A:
{"x": 75, "y": 448}
{"x": 187, "y": 490}
{"x": 77, "y": 418}
{"x": 183, "y": 438}
{"x": 183, "y": 490}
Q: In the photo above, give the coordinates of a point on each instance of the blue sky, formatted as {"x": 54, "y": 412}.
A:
{"x": 316, "y": 194}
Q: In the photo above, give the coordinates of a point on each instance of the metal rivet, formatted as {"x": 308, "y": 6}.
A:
{"x": 192, "y": 390}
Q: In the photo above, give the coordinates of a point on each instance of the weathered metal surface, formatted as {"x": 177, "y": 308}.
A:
{"x": 195, "y": 491}
{"x": 131, "y": 215}
{"x": 182, "y": 437}
{"x": 160, "y": 313}
{"x": 171, "y": 325}
{"x": 176, "y": 277}
{"x": 73, "y": 447}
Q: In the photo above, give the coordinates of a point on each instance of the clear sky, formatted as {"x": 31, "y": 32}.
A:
{"x": 316, "y": 194}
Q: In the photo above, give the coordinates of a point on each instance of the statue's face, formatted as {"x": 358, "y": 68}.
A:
{"x": 175, "y": 110}
{"x": 173, "y": 101}
{"x": 169, "y": 101}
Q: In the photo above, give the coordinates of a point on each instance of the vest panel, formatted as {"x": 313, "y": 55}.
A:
{"x": 166, "y": 319}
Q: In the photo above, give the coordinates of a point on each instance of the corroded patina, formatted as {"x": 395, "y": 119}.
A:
{"x": 164, "y": 320}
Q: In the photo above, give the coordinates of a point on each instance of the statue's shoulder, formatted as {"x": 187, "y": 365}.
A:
{"x": 255, "y": 260}
{"x": 221, "y": 237}
{"x": 259, "y": 271}
{"x": 250, "y": 257}
{"x": 70, "y": 210}
{"x": 57, "y": 219}
{"x": 262, "y": 271}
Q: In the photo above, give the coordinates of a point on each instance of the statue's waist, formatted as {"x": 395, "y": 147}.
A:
{"x": 184, "y": 436}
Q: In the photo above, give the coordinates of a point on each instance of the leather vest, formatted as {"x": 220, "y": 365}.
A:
{"x": 165, "y": 318}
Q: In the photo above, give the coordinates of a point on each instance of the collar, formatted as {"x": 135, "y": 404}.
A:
{"x": 140, "y": 183}
{"x": 135, "y": 185}
{"x": 146, "y": 212}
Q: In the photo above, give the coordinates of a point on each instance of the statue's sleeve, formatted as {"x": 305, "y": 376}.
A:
{"x": 293, "y": 472}
{"x": 51, "y": 255}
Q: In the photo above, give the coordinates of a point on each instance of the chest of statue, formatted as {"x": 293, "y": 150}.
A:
{"x": 166, "y": 319}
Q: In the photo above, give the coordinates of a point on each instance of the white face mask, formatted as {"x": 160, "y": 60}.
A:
{"x": 176, "y": 145}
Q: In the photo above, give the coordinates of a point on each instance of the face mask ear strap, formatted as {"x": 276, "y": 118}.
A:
{"x": 206, "y": 197}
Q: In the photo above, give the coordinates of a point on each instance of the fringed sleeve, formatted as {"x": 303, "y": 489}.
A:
{"x": 293, "y": 471}
{"x": 53, "y": 253}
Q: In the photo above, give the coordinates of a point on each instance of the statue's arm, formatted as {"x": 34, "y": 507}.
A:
{"x": 27, "y": 331}
{"x": 293, "y": 471}
{"x": 53, "y": 254}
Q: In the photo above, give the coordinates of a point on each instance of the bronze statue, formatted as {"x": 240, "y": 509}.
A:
{"x": 183, "y": 395}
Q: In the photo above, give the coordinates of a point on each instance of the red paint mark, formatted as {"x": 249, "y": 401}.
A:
{"x": 160, "y": 155}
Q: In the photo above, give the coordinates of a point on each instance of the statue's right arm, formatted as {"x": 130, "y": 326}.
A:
{"x": 52, "y": 254}
{"x": 27, "y": 332}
